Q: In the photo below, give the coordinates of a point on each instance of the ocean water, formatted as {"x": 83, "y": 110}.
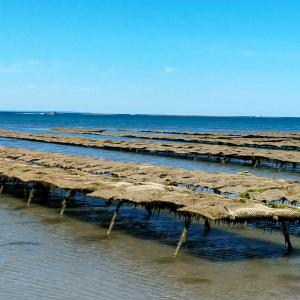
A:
{"x": 39, "y": 121}
{"x": 44, "y": 256}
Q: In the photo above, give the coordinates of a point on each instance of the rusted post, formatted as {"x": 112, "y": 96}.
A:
{"x": 287, "y": 237}
{"x": 113, "y": 219}
{"x": 182, "y": 238}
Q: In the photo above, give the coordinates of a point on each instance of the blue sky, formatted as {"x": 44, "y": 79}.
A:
{"x": 191, "y": 57}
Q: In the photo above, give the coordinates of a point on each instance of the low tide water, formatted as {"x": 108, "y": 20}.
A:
{"x": 44, "y": 256}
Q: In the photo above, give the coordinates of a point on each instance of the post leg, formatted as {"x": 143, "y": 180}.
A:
{"x": 113, "y": 219}
{"x": 207, "y": 226}
{"x": 244, "y": 224}
{"x": 63, "y": 207}
{"x": 182, "y": 238}
{"x": 64, "y": 203}
{"x": 287, "y": 237}
{"x": 1, "y": 188}
{"x": 30, "y": 196}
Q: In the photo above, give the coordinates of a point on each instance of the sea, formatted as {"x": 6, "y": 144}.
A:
{"x": 45, "y": 256}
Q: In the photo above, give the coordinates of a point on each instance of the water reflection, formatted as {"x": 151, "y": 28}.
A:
{"x": 226, "y": 242}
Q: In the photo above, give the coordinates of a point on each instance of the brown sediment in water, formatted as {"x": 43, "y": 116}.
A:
{"x": 223, "y": 154}
{"x": 245, "y": 185}
{"x": 275, "y": 141}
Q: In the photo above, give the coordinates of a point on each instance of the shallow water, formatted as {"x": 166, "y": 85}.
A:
{"x": 44, "y": 256}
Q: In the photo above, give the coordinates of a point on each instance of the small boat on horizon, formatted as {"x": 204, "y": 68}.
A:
{"x": 51, "y": 113}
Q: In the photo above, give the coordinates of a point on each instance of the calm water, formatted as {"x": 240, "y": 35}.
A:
{"x": 43, "y": 256}
{"x": 37, "y": 123}
{"x": 250, "y": 124}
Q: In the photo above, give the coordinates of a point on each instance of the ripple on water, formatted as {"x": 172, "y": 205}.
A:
{"x": 19, "y": 243}
{"x": 194, "y": 280}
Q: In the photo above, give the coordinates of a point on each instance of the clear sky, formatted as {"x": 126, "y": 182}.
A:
{"x": 194, "y": 57}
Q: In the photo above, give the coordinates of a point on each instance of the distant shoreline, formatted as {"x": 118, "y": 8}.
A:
{"x": 142, "y": 115}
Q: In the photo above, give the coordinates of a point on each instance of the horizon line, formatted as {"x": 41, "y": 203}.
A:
{"x": 141, "y": 114}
